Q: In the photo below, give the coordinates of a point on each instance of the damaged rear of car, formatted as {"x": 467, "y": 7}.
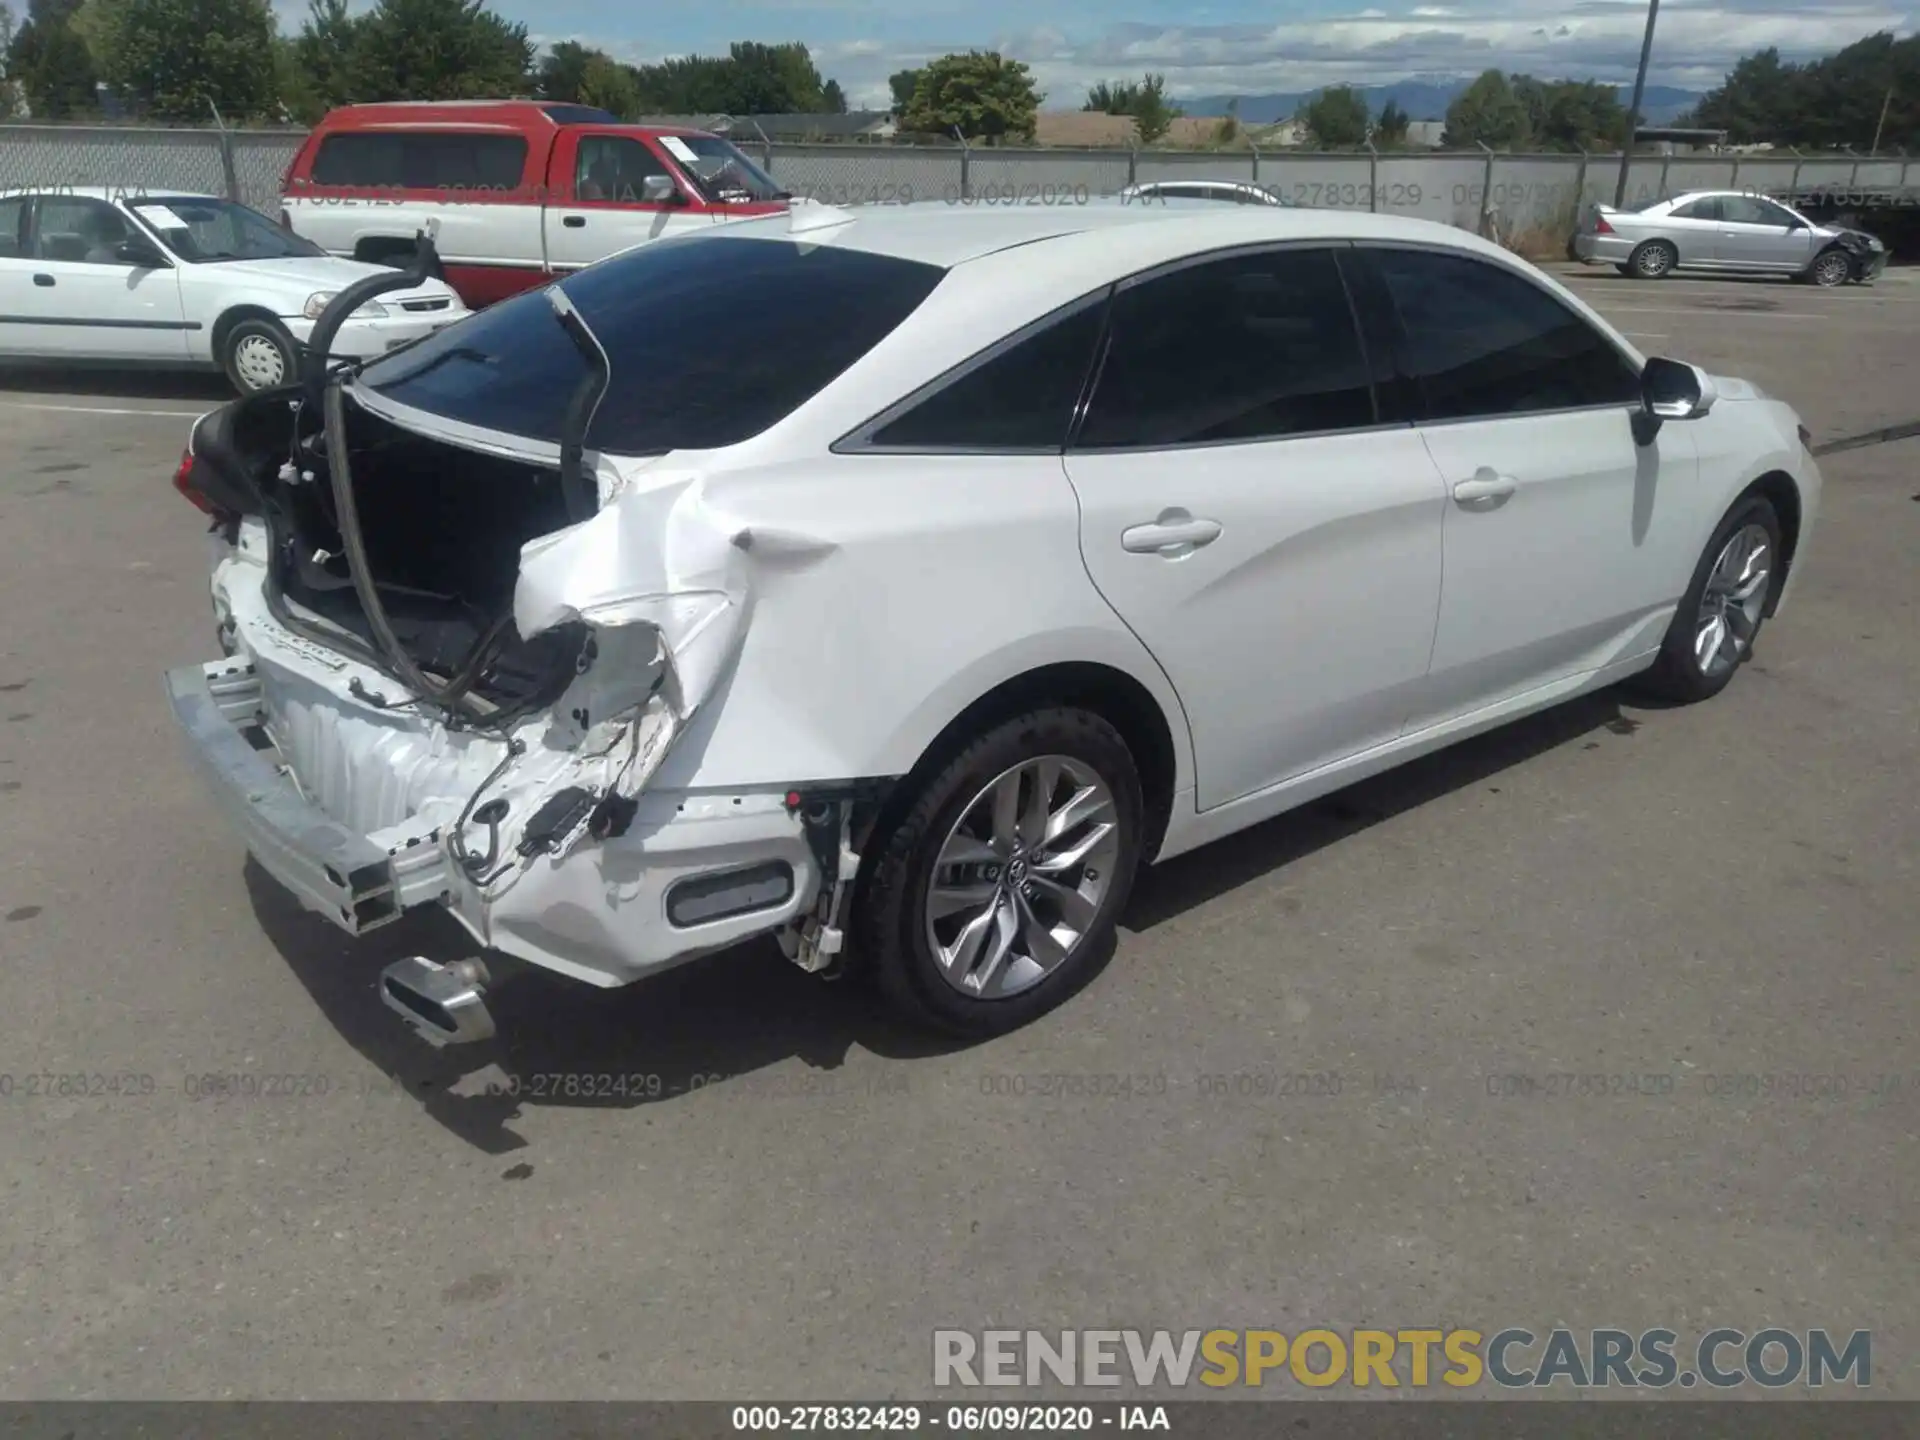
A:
{"x": 472, "y": 594}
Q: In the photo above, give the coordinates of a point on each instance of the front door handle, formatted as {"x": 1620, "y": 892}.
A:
{"x": 1486, "y": 484}
{"x": 575, "y": 222}
{"x": 1174, "y": 534}
{"x": 43, "y": 280}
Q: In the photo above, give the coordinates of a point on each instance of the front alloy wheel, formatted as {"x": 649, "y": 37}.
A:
{"x": 1719, "y": 618}
{"x": 1733, "y": 601}
{"x": 1832, "y": 268}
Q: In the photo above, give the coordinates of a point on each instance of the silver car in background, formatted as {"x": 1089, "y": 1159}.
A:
{"x": 1729, "y": 231}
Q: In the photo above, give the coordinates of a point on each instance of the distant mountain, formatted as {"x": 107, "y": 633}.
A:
{"x": 1424, "y": 98}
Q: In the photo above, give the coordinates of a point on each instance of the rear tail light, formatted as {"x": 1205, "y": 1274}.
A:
{"x": 183, "y": 482}
{"x": 1600, "y": 226}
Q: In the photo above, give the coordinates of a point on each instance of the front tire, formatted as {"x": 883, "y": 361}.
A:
{"x": 258, "y": 354}
{"x": 995, "y": 897}
{"x": 1829, "y": 269}
{"x": 1652, "y": 260}
{"x": 1720, "y": 616}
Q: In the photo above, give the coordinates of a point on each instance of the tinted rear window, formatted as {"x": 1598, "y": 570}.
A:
{"x": 420, "y": 160}
{"x": 711, "y": 339}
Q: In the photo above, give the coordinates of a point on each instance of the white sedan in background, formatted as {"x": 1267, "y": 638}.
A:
{"x": 102, "y": 275}
{"x": 969, "y": 560}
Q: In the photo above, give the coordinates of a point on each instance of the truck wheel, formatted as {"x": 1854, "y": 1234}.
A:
{"x": 995, "y": 897}
{"x": 258, "y": 354}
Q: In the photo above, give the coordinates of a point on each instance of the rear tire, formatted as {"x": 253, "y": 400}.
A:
{"x": 258, "y": 354}
{"x": 1733, "y": 585}
{"x": 975, "y": 918}
{"x": 1652, "y": 260}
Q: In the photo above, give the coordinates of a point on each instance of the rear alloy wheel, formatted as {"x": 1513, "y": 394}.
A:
{"x": 1720, "y": 616}
{"x": 996, "y": 897}
{"x": 258, "y": 354}
{"x": 1832, "y": 268}
{"x": 1652, "y": 260}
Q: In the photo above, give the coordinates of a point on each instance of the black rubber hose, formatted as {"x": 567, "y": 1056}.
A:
{"x": 314, "y": 362}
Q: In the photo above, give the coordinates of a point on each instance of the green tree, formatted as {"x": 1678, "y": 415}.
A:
{"x": 608, "y": 85}
{"x": 52, "y": 66}
{"x": 176, "y": 59}
{"x": 437, "y": 50}
{"x": 1390, "y": 130}
{"x": 772, "y": 80}
{"x": 1144, "y": 101}
{"x": 1336, "y": 118}
{"x": 982, "y": 94}
{"x": 1227, "y": 132}
{"x": 299, "y": 101}
{"x": 563, "y": 70}
{"x": 901, "y": 85}
{"x": 833, "y": 98}
{"x": 1487, "y": 112}
{"x": 325, "y": 51}
{"x": 1826, "y": 103}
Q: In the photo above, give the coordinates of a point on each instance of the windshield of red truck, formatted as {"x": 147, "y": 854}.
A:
{"x": 724, "y": 175}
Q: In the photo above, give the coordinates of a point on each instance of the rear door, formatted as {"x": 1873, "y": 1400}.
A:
{"x": 1257, "y": 515}
{"x": 74, "y": 298}
{"x": 596, "y": 183}
{"x": 1756, "y": 234}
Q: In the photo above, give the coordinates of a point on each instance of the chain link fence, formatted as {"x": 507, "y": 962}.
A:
{"x": 1532, "y": 199}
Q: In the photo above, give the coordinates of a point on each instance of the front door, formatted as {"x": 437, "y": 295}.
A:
{"x": 1563, "y": 537}
{"x": 1248, "y": 514}
{"x": 598, "y": 207}
{"x": 1756, "y": 234}
{"x": 74, "y": 298}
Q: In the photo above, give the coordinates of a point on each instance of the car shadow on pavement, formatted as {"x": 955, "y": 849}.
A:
{"x": 742, "y": 1010}
{"x": 697, "y": 1026}
{"x": 90, "y": 382}
{"x": 1167, "y": 891}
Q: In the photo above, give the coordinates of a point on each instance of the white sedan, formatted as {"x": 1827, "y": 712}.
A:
{"x": 898, "y": 582}
{"x": 107, "y": 276}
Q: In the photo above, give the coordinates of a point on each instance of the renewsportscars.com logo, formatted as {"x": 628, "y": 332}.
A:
{"x": 1513, "y": 1358}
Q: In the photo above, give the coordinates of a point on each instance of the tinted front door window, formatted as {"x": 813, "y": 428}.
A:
{"x": 1481, "y": 340}
{"x": 1254, "y": 347}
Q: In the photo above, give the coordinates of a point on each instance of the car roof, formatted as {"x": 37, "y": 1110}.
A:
{"x": 108, "y": 192}
{"x": 935, "y": 232}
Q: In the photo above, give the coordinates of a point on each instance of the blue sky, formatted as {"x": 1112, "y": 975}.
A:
{"x": 1222, "y": 46}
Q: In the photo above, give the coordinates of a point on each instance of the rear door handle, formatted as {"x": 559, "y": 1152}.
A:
{"x": 574, "y": 222}
{"x": 1174, "y": 534}
{"x": 43, "y": 280}
{"x": 1486, "y": 484}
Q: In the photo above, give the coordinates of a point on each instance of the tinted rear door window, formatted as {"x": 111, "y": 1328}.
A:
{"x": 1020, "y": 399}
{"x": 1478, "y": 340}
{"x": 711, "y": 339}
{"x": 420, "y": 160}
{"x": 1252, "y": 347}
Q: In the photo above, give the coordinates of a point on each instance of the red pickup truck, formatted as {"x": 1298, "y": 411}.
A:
{"x": 522, "y": 190}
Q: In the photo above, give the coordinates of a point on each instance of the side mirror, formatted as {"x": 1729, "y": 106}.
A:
{"x": 140, "y": 253}
{"x": 1671, "y": 390}
{"x": 659, "y": 190}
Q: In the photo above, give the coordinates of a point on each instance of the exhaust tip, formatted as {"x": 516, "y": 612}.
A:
{"x": 444, "y": 1004}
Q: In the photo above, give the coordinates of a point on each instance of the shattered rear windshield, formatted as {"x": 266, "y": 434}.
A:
{"x": 711, "y": 341}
